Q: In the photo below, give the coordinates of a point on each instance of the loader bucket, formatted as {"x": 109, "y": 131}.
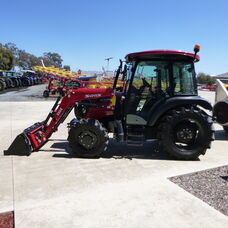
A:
{"x": 33, "y": 137}
{"x": 20, "y": 146}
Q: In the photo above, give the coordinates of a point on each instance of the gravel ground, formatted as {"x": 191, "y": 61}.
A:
{"x": 210, "y": 185}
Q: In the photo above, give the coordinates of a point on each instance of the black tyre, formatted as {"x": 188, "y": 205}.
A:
{"x": 87, "y": 138}
{"x": 25, "y": 82}
{"x": 46, "y": 93}
{"x": 185, "y": 133}
{"x": 29, "y": 82}
{"x": 9, "y": 83}
{"x": 20, "y": 82}
{"x": 2, "y": 85}
{"x": 15, "y": 83}
{"x": 225, "y": 128}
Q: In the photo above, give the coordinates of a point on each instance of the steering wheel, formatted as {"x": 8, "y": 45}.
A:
{"x": 145, "y": 83}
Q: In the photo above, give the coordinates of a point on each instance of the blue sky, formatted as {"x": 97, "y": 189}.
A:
{"x": 85, "y": 32}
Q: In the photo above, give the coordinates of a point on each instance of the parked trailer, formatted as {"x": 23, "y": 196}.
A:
{"x": 220, "y": 110}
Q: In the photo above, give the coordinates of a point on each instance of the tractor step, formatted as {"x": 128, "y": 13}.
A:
{"x": 135, "y": 135}
{"x": 134, "y": 143}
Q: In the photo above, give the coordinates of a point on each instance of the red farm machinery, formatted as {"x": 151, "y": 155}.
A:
{"x": 153, "y": 96}
{"x": 60, "y": 81}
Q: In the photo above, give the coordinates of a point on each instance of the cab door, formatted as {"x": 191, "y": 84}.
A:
{"x": 148, "y": 85}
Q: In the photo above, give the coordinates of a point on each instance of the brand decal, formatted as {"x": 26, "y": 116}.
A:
{"x": 92, "y": 95}
{"x": 60, "y": 110}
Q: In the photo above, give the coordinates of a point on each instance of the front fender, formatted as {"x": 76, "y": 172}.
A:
{"x": 162, "y": 106}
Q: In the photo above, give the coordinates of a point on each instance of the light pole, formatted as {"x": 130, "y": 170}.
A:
{"x": 108, "y": 59}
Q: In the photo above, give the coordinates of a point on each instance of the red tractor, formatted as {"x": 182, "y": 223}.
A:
{"x": 157, "y": 100}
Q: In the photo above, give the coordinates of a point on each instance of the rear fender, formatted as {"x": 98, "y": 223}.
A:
{"x": 162, "y": 106}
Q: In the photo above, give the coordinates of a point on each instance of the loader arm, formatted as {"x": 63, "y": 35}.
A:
{"x": 34, "y": 137}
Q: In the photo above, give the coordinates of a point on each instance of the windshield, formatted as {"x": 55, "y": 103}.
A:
{"x": 165, "y": 78}
{"x": 10, "y": 74}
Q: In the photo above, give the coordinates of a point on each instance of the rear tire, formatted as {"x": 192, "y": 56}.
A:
{"x": 186, "y": 133}
{"x": 15, "y": 83}
{"x": 25, "y": 82}
{"x": 2, "y": 85}
{"x": 9, "y": 83}
{"x": 20, "y": 82}
{"x": 87, "y": 138}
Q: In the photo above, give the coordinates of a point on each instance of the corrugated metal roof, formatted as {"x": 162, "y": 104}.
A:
{"x": 225, "y": 75}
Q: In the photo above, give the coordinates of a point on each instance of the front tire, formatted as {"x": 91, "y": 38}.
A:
{"x": 87, "y": 138}
{"x": 185, "y": 133}
{"x": 46, "y": 93}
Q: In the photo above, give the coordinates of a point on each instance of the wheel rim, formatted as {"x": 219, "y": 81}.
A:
{"x": 87, "y": 139}
{"x": 187, "y": 134}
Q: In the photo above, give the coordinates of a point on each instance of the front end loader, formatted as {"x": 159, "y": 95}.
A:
{"x": 35, "y": 136}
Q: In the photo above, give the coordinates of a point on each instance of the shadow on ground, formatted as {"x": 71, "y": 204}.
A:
{"x": 221, "y": 135}
{"x": 117, "y": 150}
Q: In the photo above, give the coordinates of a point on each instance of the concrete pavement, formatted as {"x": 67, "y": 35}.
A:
{"x": 52, "y": 189}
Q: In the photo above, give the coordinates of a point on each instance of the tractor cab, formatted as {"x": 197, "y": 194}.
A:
{"x": 155, "y": 76}
{"x": 160, "y": 101}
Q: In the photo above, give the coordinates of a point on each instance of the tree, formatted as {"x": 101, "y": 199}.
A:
{"x": 34, "y": 61}
{"x": 6, "y": 59}
{"x": 22, "y": 58}
{"x": 66, "y": 67}
{"x": 14, "y": 49}
{"x": 203, "y": 78}
{"x": 26, "y": 60}
{"x": 52, "y": 59}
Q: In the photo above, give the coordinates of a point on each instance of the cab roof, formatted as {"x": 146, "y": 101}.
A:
{"x": 161, "y": 54}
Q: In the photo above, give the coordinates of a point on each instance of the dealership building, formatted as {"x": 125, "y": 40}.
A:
{"x": 222, "y": 77}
